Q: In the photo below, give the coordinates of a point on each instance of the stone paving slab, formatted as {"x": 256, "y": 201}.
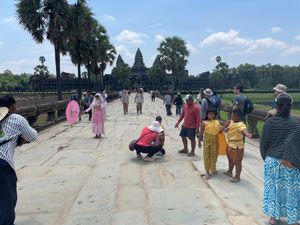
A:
{"x": 68, "y": 177}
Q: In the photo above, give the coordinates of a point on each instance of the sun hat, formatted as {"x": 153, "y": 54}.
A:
{"x": 280, "y": 88}
{"x": 208, "y": 92}
{"x": 155, "y": 126}
{"x": 97, "y": 95}
{"x": 3, "y": 112}
{"x": 189, "y": 97}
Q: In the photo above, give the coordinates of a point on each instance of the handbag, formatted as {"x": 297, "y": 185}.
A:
{"x": 132, "y": 144}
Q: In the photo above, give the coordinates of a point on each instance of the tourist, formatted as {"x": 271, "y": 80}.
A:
{"x": 210, "y": 128}
{"x": 278, "y": 90}
{"x": 14, "y": 132}
{"x": 153, "y": 96}
{"x": 191, "y": 122}
{"x": 239, "y": 100}
{"x": 148, "y": 142}
{"x": 236, "y": 130}
{"x": 200, "y": 96}
{"x": 281, "y": 191}
{"x": 125, "y": 101}
{"x": 168, "y": 103}
{"x": 207, "y": 101}
{"x": 178, "y": 102}
{"x": 87, "y": 102}
{"x": 161, "y": 136}
{"x": 217, "y": 102}
{"x": 139, "y": 100}
{"x": 98, "y": 115}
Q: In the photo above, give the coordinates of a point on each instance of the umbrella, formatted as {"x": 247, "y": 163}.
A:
{"x": 72, "y": 112}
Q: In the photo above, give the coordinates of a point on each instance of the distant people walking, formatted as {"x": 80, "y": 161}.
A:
{"x": 98, "y": 116}
{"x": 125, "y": 101}
{"x": 153, "y": 96}
{"x": 14, "y": 131}
{"x": 236, "y": 130}
{"x": 168, "y": 103}
{"x": 281, "y": 179}
{"x": 191, "y": 123}
{"x": 148, "y": 142}
{"x": 210, "y": 128}
{"x": 139, "y": 100}
{"x": 178, "y": 102}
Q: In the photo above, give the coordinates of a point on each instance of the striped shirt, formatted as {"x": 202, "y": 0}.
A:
{"x": 14, "y": 126}
{"x": 291, "y": 151}
{"x": 275, "y": 132}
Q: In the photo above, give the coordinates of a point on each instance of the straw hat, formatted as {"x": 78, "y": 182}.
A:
{"x": 208, "y": 92}
{"x": 280, "y": 88}
{"x": 3, "y": 112}
{"x": 155, "y": 126}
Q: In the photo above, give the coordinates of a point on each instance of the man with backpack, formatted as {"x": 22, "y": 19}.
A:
{"x": 241, "y": 102}
{"x": 208, "y": 102}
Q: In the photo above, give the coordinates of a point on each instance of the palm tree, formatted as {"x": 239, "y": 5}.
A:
{"x": 174, "y": 55}
{"x": 80, "y": 25}
{"x": 46, "y": 19}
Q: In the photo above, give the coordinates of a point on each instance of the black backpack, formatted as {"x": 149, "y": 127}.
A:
{"x": 211, "y": 103}
{"x": 248, "y": 106}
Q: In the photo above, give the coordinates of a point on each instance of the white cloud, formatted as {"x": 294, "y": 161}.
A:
{"x": 292, "y": 50}
{"x": 9, "y": 20}
{"x": 109, "y": 18}
{"x": 156, "y": 25}
{"x": 131, "y": 37}
{"x": 213, "y": 58}
{"x": 276, "y": 29}
{"x": 159, "y": 38}
{"x": 124, "y": 52}
{"x": 241, "y": 45}
{"x": 297, "y": 37}
{"x": 1, "y": 43}
{"x": 191, "y": 48}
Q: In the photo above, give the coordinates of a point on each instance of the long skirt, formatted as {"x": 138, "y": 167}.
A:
{"x": 281, "y": 191}
{"x": 210, "y": 152}
{"x": 98, "y": 122}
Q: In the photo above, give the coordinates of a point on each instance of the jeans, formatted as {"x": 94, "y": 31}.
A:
{"x": 178, "y": 109}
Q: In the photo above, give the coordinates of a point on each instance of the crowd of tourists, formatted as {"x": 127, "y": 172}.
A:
{"x": 200, "y": 118}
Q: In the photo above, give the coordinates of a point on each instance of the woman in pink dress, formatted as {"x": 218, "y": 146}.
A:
{"x": 97, "y": 108}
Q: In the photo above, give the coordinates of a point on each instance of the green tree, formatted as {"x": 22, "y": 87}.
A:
{"x": 80, "y": 25}
{"x": 122, "y": 73}
{"x": 46, "y": 19}
{"x": 41, "y": 73}
{"x": 221, "y": 75}
{"x": 157, "y": 73}
{"x": 174, "y": 55}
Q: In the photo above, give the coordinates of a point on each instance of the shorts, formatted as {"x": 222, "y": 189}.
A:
{"x": 235, "y": 154}
{"x": 188, "y": 132}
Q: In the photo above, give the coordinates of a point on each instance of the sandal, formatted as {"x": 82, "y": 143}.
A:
{"x": 183, "y": 151}
{"x": 227, "y": 174}
{"x": 140, "y": 157}
{"x": 148, "y": 159}
{"x": 273, "y": 221}
{"x": 191, "y": 154}
{"x": 234, "y": 180}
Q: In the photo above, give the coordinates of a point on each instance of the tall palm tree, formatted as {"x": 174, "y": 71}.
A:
{"x": 46, "y": 19}
{"x": 80, "y": 25}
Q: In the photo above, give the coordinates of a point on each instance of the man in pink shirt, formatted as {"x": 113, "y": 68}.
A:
{"x": 191, "y": 124}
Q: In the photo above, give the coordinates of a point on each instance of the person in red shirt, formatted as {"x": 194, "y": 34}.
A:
{"x": 148, "y": 142}
{"x": 191, "y": 124}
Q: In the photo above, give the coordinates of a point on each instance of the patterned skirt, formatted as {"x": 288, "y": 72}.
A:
{"x": 281, "y": 191}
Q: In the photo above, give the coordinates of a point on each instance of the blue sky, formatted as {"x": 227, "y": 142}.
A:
{"x": 240, "y": 31}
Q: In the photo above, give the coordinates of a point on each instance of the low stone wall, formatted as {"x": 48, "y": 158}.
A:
{"x": 45, "y": 114}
